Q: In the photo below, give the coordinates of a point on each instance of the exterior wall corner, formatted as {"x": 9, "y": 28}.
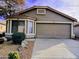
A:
{"x": 72, "y": 32}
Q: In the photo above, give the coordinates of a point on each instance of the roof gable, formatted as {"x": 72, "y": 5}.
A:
{"x": 46, "y": 7}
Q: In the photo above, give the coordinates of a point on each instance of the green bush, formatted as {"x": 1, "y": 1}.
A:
{"x": 14, "y": 55}
{"x": 18, "y": 37}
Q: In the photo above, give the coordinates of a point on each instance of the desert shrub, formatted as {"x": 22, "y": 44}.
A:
{"x": 14, "y": 55}
{"x": 18, "y": 37}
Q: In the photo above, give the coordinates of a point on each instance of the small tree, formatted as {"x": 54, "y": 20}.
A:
{"x": 8, "y": 8}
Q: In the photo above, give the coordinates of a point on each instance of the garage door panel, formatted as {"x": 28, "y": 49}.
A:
{"x": 53, "y": 30}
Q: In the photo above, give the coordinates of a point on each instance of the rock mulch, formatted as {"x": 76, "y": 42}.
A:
{"x": 7, "y": 47}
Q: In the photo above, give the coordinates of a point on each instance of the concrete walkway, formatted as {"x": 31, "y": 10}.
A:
{"x": 56, "y": 49}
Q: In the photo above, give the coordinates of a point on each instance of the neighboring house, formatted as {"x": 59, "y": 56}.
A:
{"x": 42, "y": 22}
{"x": 2, "y": 27}
{"x": 76, "y": 29}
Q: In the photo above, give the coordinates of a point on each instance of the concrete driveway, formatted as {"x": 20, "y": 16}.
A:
{"x": 56, "y": 49}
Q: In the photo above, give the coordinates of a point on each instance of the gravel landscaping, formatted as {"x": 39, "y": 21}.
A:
{"x": 7, "y": 47}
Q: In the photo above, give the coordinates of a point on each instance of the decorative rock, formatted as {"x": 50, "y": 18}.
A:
{"x": 24, "y": 43}
{"x": 5, "y": 39}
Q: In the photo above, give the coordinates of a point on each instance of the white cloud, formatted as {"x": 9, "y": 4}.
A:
{"x": 71, "y": 8}
{"x": 71, "y": 2}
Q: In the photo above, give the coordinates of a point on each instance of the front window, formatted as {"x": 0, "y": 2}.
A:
{"x": 30, "y": 27}
{"x": 21, "y": 26}
{"x": 17, "y": 26}
{"x": 26, "y": 26}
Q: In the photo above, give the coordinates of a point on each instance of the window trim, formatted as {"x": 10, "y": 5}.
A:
{"x": 41, "y": 9}
{"x": 28, "y": 29}
{"x": 26, "y": 26}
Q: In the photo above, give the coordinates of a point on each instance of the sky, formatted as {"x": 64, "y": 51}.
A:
{"x": 70, "y": 7}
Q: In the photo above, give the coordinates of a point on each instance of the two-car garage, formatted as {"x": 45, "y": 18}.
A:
{"x": 53, "y": 30}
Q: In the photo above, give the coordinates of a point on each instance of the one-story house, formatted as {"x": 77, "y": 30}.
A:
{"x": 2, "y": 27}
{"x": 76, "y": 29}
{"x": 42, "y": 22}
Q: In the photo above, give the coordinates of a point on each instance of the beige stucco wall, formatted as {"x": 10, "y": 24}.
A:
{"x": 49, "y": 16}
{"x": 76, "y": 29}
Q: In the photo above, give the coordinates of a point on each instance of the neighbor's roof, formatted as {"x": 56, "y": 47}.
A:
{"x": 46, "y": 7}
{"x": 3, "y": 23}
{"x": 76, "y": 24}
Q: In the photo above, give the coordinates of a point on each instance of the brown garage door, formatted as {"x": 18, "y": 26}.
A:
{"x": 45, "y": 30}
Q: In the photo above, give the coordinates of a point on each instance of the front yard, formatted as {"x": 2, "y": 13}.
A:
{"x": 7, "y": 47}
